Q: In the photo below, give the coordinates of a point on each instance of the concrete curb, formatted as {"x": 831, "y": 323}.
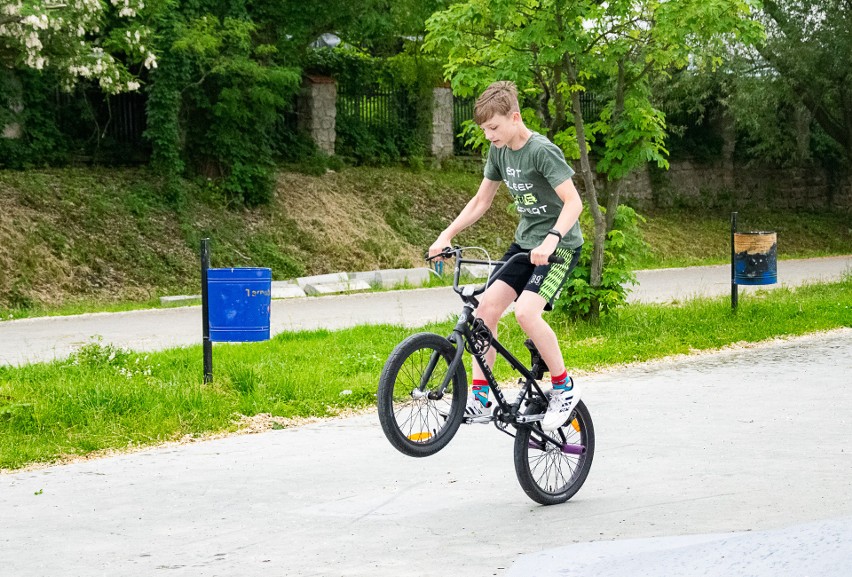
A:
{"x": 339, "y": 283}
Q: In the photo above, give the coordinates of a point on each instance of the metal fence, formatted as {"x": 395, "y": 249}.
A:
{"x": 122, "y": 118}
{"x": 127, "y": 117}
{"x": 383, "y": 108}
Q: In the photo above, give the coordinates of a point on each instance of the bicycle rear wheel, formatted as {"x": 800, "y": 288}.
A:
{"x": 413, "y": 418}
{"x": 549, "y": 473}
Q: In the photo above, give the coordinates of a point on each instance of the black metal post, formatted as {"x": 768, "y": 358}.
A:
{"x": 207, "y": 346}
{"x": 734, "y": 288}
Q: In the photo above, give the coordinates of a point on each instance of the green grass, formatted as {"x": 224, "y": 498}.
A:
{"x": 90, "y": 306}
{"x": 104, "y": 398}
{"x": 103, "y": 239}
{"x": 692, "y": 238}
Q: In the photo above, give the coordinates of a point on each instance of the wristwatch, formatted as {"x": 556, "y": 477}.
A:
{"x": 556, "y": 232}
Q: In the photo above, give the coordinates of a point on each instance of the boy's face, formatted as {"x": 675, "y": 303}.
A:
{"x": 501, "y": 130}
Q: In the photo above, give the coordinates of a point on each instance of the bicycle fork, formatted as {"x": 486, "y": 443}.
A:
{"x": 453, "y": 367}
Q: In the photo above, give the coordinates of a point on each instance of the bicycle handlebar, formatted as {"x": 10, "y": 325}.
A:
{"x": 456, "y": 252}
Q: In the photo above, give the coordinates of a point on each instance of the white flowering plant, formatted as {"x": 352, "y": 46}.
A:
{"x": 91, "y": 39}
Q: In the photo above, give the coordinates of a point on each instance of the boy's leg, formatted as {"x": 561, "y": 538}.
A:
{"x": 538, "y": 295}
{"x": 565, "y": 394}
{"x": 528, "y": 312}
{"x": 493, "y": 303}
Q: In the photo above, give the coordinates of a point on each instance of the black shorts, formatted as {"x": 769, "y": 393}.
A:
{"x": 544, "y": 280}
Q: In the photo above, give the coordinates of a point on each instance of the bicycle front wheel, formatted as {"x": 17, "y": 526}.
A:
{"x": 553, "y": 473}
{"x": 415, "y": 417}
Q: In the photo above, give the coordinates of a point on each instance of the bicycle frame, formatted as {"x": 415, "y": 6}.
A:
{"x": 462, "y": 335}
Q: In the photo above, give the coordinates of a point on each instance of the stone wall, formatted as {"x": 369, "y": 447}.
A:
{"x": 729, "y": 185}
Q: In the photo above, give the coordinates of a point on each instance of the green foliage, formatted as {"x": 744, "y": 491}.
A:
{"x": 638, "y": 122}
{"x": 233, "y": 106}
{"x": 26, "y": 103}
{"x": 807, "y": 47}
{"x": 624, "y": 246}
{"x": 400, "y": 85}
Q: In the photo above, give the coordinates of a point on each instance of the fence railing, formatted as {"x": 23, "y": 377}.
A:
{"x": 124, "y": 116}
{"x": 383, "y": 108}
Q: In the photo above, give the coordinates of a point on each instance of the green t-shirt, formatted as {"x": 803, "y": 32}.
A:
{"x": 531, "y": 174}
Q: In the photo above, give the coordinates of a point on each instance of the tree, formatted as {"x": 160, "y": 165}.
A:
{"x": 79, "y": 39}
{"x": 555, "y": 51}
{"x": 806, "y": 59}
{"x": 217, "y": 98}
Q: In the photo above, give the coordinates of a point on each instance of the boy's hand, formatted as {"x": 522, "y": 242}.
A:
{"x": 540, "y": 254}
{"x": 439, "y": 245}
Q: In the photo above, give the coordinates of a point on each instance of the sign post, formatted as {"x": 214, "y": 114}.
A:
{"x": 207, "y": 345}
{"x": 235, "y": 306}
{"x": 734, "y": 289}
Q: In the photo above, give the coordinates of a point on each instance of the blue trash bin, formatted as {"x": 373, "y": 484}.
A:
{"x": 239, "y": 300}
{"x": 755, "y": 258}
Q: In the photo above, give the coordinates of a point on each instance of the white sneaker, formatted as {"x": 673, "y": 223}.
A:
{"x": 561, "y": 405}
{"x": 475, "y": 412}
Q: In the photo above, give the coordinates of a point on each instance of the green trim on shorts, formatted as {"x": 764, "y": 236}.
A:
{"x": 557, "y": 275}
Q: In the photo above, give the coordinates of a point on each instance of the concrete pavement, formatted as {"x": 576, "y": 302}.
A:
{"x": 48, "y": 338}
{"x": 740, "y": 451}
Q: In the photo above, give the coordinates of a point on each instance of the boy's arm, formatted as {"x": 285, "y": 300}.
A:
{"x": 473, "y": 211}
{"x": 571, "y": 210}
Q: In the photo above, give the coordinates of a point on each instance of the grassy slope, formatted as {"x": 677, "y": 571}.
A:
{"x": 100, "y": 236}
{"x": 96, "y": 236}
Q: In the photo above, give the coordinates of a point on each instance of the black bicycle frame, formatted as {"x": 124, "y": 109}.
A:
{"x": 461, "y": 334}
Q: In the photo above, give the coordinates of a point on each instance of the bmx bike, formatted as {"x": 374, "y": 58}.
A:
{"x": 423, "y": 392}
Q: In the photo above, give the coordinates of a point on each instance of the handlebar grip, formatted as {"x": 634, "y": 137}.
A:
{"x": 448, "y": 252}
{"x": 555, "y": 259}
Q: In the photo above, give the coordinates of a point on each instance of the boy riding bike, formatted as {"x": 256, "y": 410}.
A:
{"x": 539, "y": 179}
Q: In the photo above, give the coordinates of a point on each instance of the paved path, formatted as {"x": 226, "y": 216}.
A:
{"x": 752, "y": 441}
{"x": 44, "y": 339}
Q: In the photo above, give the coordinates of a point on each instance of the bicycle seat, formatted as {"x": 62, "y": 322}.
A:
{"x": 536, "y": 360}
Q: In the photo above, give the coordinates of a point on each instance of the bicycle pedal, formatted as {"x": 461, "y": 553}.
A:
{"x": 530, "y": 418}
{"x": 479, "y": 419}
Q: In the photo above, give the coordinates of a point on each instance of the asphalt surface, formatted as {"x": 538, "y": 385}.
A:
{"x": 731, "y": 463}
{"x": 717, "y": 464}
{"x": 48, "y": 338}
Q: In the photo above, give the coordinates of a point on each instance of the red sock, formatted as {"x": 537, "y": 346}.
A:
{"x": 560, "y": 381}
{"x": 480, "y": 389}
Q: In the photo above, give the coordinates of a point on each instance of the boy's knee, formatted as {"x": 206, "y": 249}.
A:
{"x": 489, "y": 312}
{"x": 527, "y": 316}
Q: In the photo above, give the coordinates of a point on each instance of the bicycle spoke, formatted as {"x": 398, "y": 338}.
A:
{"x": 419, "y": 418}
{"x": 548, "y": 473}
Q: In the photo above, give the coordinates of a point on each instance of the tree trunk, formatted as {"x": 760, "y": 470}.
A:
{"x": 596, "y": 273}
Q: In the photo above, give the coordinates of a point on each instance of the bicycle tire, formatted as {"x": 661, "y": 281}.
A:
{"x": 413, "y": 423}
{"x": 547, "y": 474}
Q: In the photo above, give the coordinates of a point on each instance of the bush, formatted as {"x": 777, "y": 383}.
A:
{"x": 624, "y": 245}
{"x": 27, "y": 99}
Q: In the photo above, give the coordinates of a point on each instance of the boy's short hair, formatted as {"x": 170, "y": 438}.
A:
{"x": 499, "y": 98}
